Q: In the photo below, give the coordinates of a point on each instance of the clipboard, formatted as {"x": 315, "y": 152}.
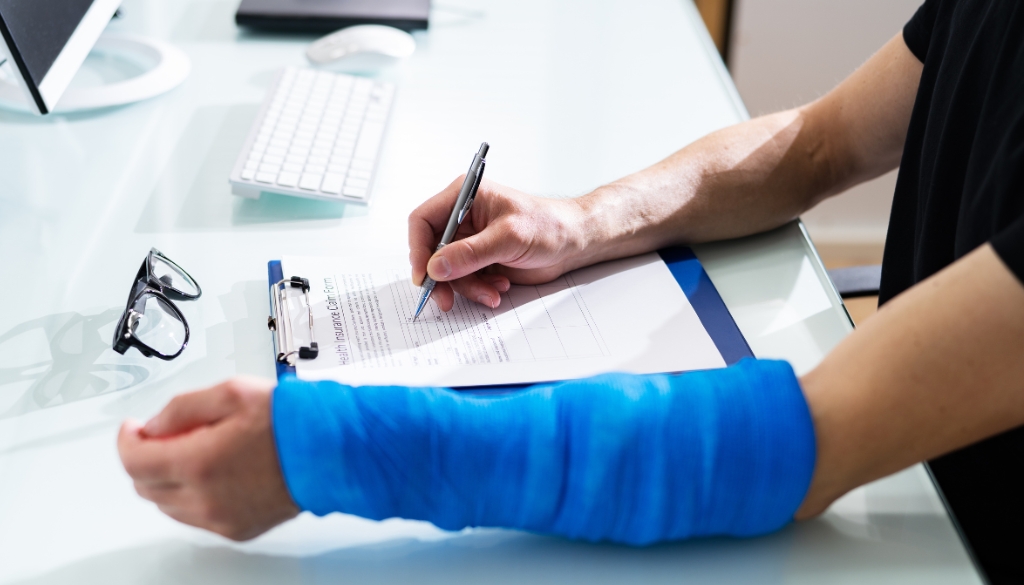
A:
{"x": 681, "y": 261}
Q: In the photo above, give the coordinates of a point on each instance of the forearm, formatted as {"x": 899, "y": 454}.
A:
{"x": 764, "y": 172}
{"x": 938, "y": 368}
{"x": 739, "y": 180}
{"x": 633, "y": 459}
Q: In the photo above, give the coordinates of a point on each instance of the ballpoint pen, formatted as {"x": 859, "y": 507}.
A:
{"x": 462, "y": 205}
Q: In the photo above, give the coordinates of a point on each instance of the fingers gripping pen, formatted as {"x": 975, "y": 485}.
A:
{"x": 462, "y": 206}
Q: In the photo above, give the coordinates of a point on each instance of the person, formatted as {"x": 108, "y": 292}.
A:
{"x": 637, "y": 459}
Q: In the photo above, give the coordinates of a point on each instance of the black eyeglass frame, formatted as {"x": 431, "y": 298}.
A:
{"x": 146, "y": 283}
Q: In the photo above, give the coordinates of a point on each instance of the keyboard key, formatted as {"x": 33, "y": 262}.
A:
{"x": 286, "y": 179}
{"x": 369, "y": 140}
{"x": 332, "y": 183}
{"x": 310, "y": 182}
{"x": 320, "y": 132}
{"x": 354, "y": 192}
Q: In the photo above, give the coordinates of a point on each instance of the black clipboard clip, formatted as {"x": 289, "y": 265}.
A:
{"x": 280, "y": 322}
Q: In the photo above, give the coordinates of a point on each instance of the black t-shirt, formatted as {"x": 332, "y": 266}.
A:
{"x": 961, "y": 184}
{"x": 961, "y": 180}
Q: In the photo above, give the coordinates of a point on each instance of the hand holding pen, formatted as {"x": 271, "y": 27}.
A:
{"x": 467, "y": 195}
{"x": 506, "y": 237}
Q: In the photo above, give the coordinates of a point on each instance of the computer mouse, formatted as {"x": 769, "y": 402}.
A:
{"x": 362, "y": 47}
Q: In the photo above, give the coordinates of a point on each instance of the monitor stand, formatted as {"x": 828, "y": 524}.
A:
{"x": 168, "y": 67}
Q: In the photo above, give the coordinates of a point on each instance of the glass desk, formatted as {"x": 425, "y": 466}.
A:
{"x": 570, "y": 94}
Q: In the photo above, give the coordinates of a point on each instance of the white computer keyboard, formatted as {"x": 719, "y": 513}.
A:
{"x": 318, "y": 135}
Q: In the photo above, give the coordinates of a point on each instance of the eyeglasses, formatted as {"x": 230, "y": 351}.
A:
{"x": 151, "y": 322}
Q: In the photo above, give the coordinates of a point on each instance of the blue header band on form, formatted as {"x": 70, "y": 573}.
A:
{"x": 696, "y": 285}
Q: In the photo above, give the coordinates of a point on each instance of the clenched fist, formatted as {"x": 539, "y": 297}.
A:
{"x": 209, "y": 460}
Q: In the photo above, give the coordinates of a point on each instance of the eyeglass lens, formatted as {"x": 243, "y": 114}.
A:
{"x": 173, "y": 277}
{"x": 157, "y": 325}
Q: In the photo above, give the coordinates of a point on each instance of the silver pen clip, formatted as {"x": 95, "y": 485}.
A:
{"x": 476, "y": 186}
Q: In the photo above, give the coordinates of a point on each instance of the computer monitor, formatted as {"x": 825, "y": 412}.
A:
{"x": 46, "y": 41}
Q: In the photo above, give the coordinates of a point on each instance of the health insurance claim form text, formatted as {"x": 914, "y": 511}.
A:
{"x": 623, "y": 316}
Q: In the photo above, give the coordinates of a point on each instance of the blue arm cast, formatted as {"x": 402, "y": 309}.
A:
{"x": 625, "y": 458}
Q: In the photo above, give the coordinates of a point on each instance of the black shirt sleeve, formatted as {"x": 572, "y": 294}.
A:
{"x": 1009, "y": 244}
{"x": 917, "y": 34}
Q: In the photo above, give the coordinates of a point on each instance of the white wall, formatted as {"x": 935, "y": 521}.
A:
{"x": 787, "y": 52}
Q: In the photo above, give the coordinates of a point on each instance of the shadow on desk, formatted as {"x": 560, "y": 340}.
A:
{"x": 65, "y": 358}
{"x": 72, "y": 373}
{"x": 809, "y": 552}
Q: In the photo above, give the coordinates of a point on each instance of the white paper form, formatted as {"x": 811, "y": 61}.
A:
{"x": 627, "y": 315}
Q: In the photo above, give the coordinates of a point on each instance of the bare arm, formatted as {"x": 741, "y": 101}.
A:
{"x": 938, "y": 368}
{"x": 740, "y": 180}
{"x": 762, "y": 173}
